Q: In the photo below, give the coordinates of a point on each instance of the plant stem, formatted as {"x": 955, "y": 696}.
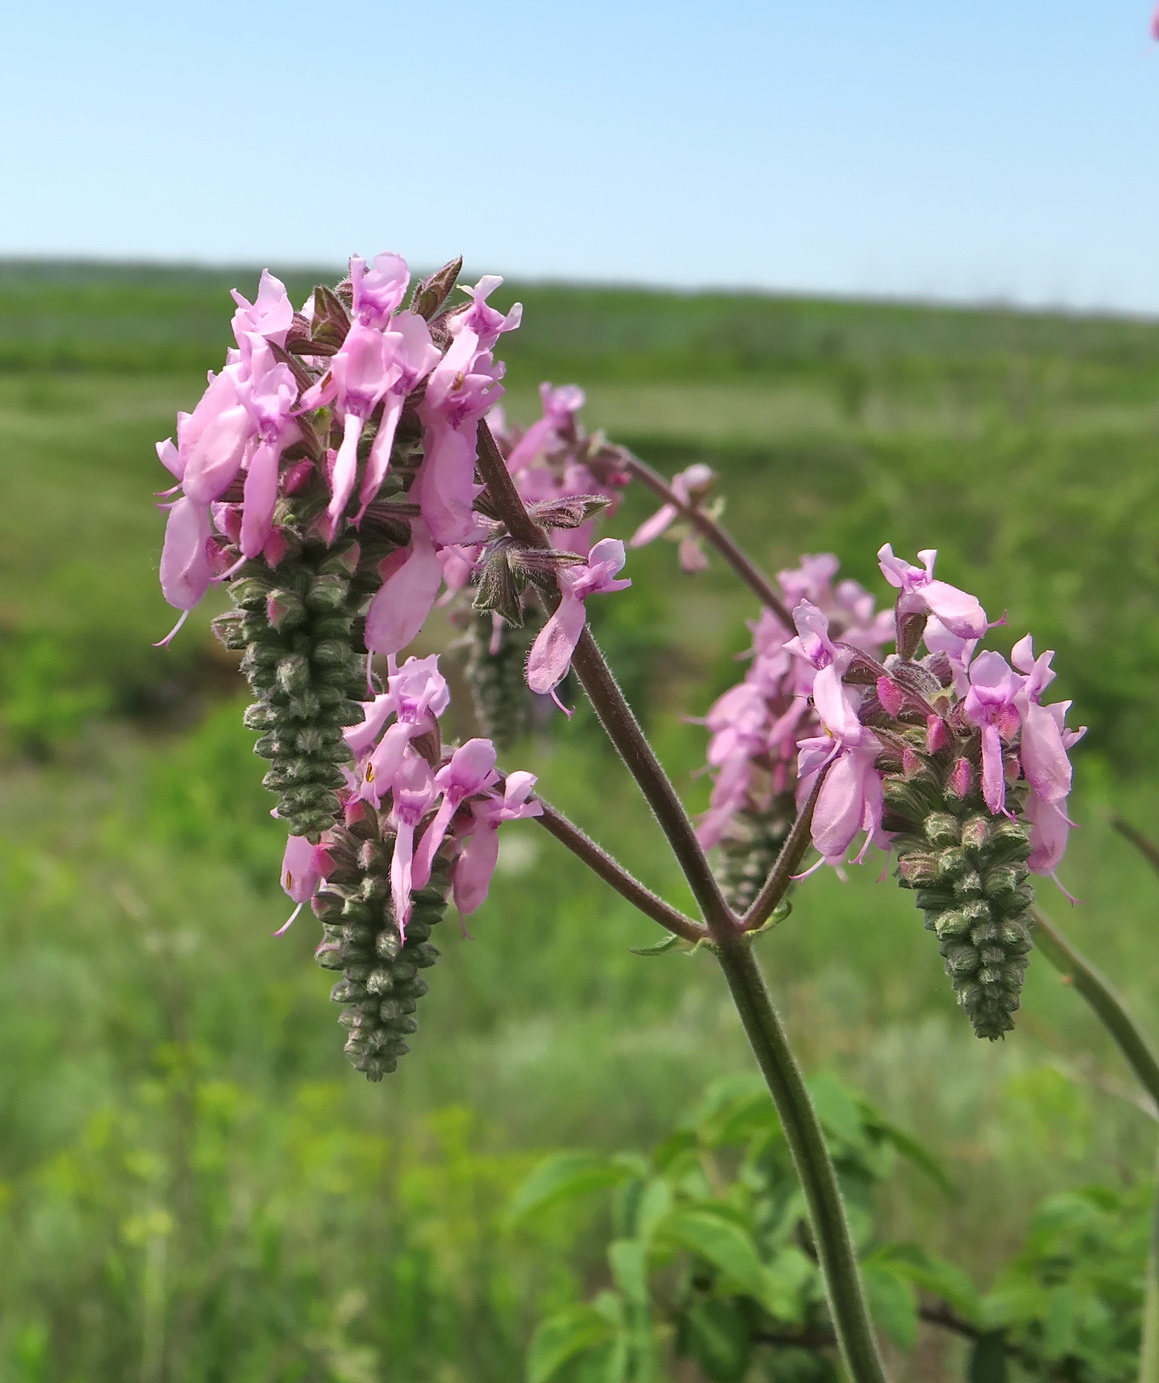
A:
{"x": 746, "y": 983}
{"x": 1103, "y": 998}
{"x": 1145, "y": 846}
{"x": 612, "y": 709}
{"x": 612, "y": 872}
{"x": 719, "y": 537}
{"x": 788, "y": 861}
{"x": 811, "y": 1158}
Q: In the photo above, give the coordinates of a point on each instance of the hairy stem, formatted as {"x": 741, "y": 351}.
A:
{"x": 612, "y": 872}
{"x": 811, "y": 1159}
{"x": 720, "y": 538}
{"x": 611, "y": 707}
{"x": 770, "y": 1046}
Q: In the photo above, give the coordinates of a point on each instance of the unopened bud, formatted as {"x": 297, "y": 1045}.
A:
{"x": 961, "y": 779}
{"x": 890, "y": 695}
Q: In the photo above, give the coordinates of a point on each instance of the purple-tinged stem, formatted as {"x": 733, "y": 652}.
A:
{"x": 720, "y": 538}
{"x": 612, "y": 872}
{"x": 732, "y": 948}
{"x": 612, "y": 708}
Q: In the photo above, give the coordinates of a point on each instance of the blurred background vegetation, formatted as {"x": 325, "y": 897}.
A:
{"x": 193, "y": 1184}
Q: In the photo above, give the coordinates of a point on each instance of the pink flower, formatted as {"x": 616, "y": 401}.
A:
{"x": 186, "y": 570}
{"x": 413, "y": 792}
{"x": 559, "y": 409}
{"x": 378, "y": 292}
{"x": 1043, "y": 754}
{"x": 689, "y": 487}
{"x": 303, "y": 867}
{"x": 410, "y": 585}
{"x": 551, "y": 653}
{"x": 850, "y": 800}
{"x": 211, "y": 440}
{"x": 461, "y": 388}
{"x": 991, "y": 704}
{"x": 471, "y": 769}
{"x": 269, "y": 400}
{"x": 471, "y": 872}
{"x": 958, "y": 611}
{"x": 268, "y": 316}
{"x": 416, "y": 695}
{"x": 371, "y": 367}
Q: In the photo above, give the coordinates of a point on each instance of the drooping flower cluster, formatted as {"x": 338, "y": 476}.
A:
{"x": 948, "y": 757}
{"x": 328, "y": 476}
{"x": 569, "y": 480}
{"x": 691, "y": 487}
{"x": 756, "y": 726}
{"x": 416, "y": 821}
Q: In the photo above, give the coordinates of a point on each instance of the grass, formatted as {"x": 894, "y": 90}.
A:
{"x": 198, "y": 1186}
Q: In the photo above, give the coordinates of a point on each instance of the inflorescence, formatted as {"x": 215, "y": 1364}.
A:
{"x": 327, "y": 477}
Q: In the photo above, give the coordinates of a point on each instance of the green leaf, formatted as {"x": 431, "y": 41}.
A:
{"x": 915, "y": 1152}
{"x": 670, "y": 943}
{"x": 892, "y": 1302}
{"x": 988, "y": 1360}
{"x": 562, "y": 1337}
{"x": 563, "y": 1177}
{"x": 1059, "y": 1330}
{"x": 943, "y": 1279}
{"x": 723, "y": 1242}
{"x": 789, "y": 1282}
{"x": 654, "y": 1203}
{"x": 838, "y": 1109}
{"x": 629, "y": 1263}
{"x": 717, "y": 1336}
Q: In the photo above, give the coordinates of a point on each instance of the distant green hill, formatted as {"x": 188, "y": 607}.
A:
{"x": 154, "y": 319}
{"x": 1021, "y": 445}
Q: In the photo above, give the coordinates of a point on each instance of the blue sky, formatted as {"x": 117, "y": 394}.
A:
{"x": 1002, "y": 149}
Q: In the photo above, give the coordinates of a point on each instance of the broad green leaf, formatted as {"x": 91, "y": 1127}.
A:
{"x": 654, "y": 1203}
{"x": 629, "y": 1262}
{"x": 1017, "y": 1300}
{"x": 564, "y": 1336}
{"x": 838, "y": 1109}
{"x": 717, "y": 1336}
{"x": 789, "y": 1280}
{"x": 892, "y": 1302}
{"x": 1058, "y": 1335}
{"x": 917, "y": 1153}
{"x": 988, "y": 1360}
{"x": 720, "y": 1240}
{"x": 945, "y": 1280}
{"x": 563, "y": 1177}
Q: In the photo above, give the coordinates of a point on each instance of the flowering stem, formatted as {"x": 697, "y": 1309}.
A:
{"x": 612, "y": 872}
{"x": 788, "y": 861}
{"x": 1106, "y": 1002}
{"x": 611, "y": 707}
{"x": 719, "y": 537}
{"x": 746, "y": 983}
{"x": 810, "y": 1157}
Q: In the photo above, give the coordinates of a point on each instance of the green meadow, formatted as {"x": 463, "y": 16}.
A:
{"x": 194, "y": 1186}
